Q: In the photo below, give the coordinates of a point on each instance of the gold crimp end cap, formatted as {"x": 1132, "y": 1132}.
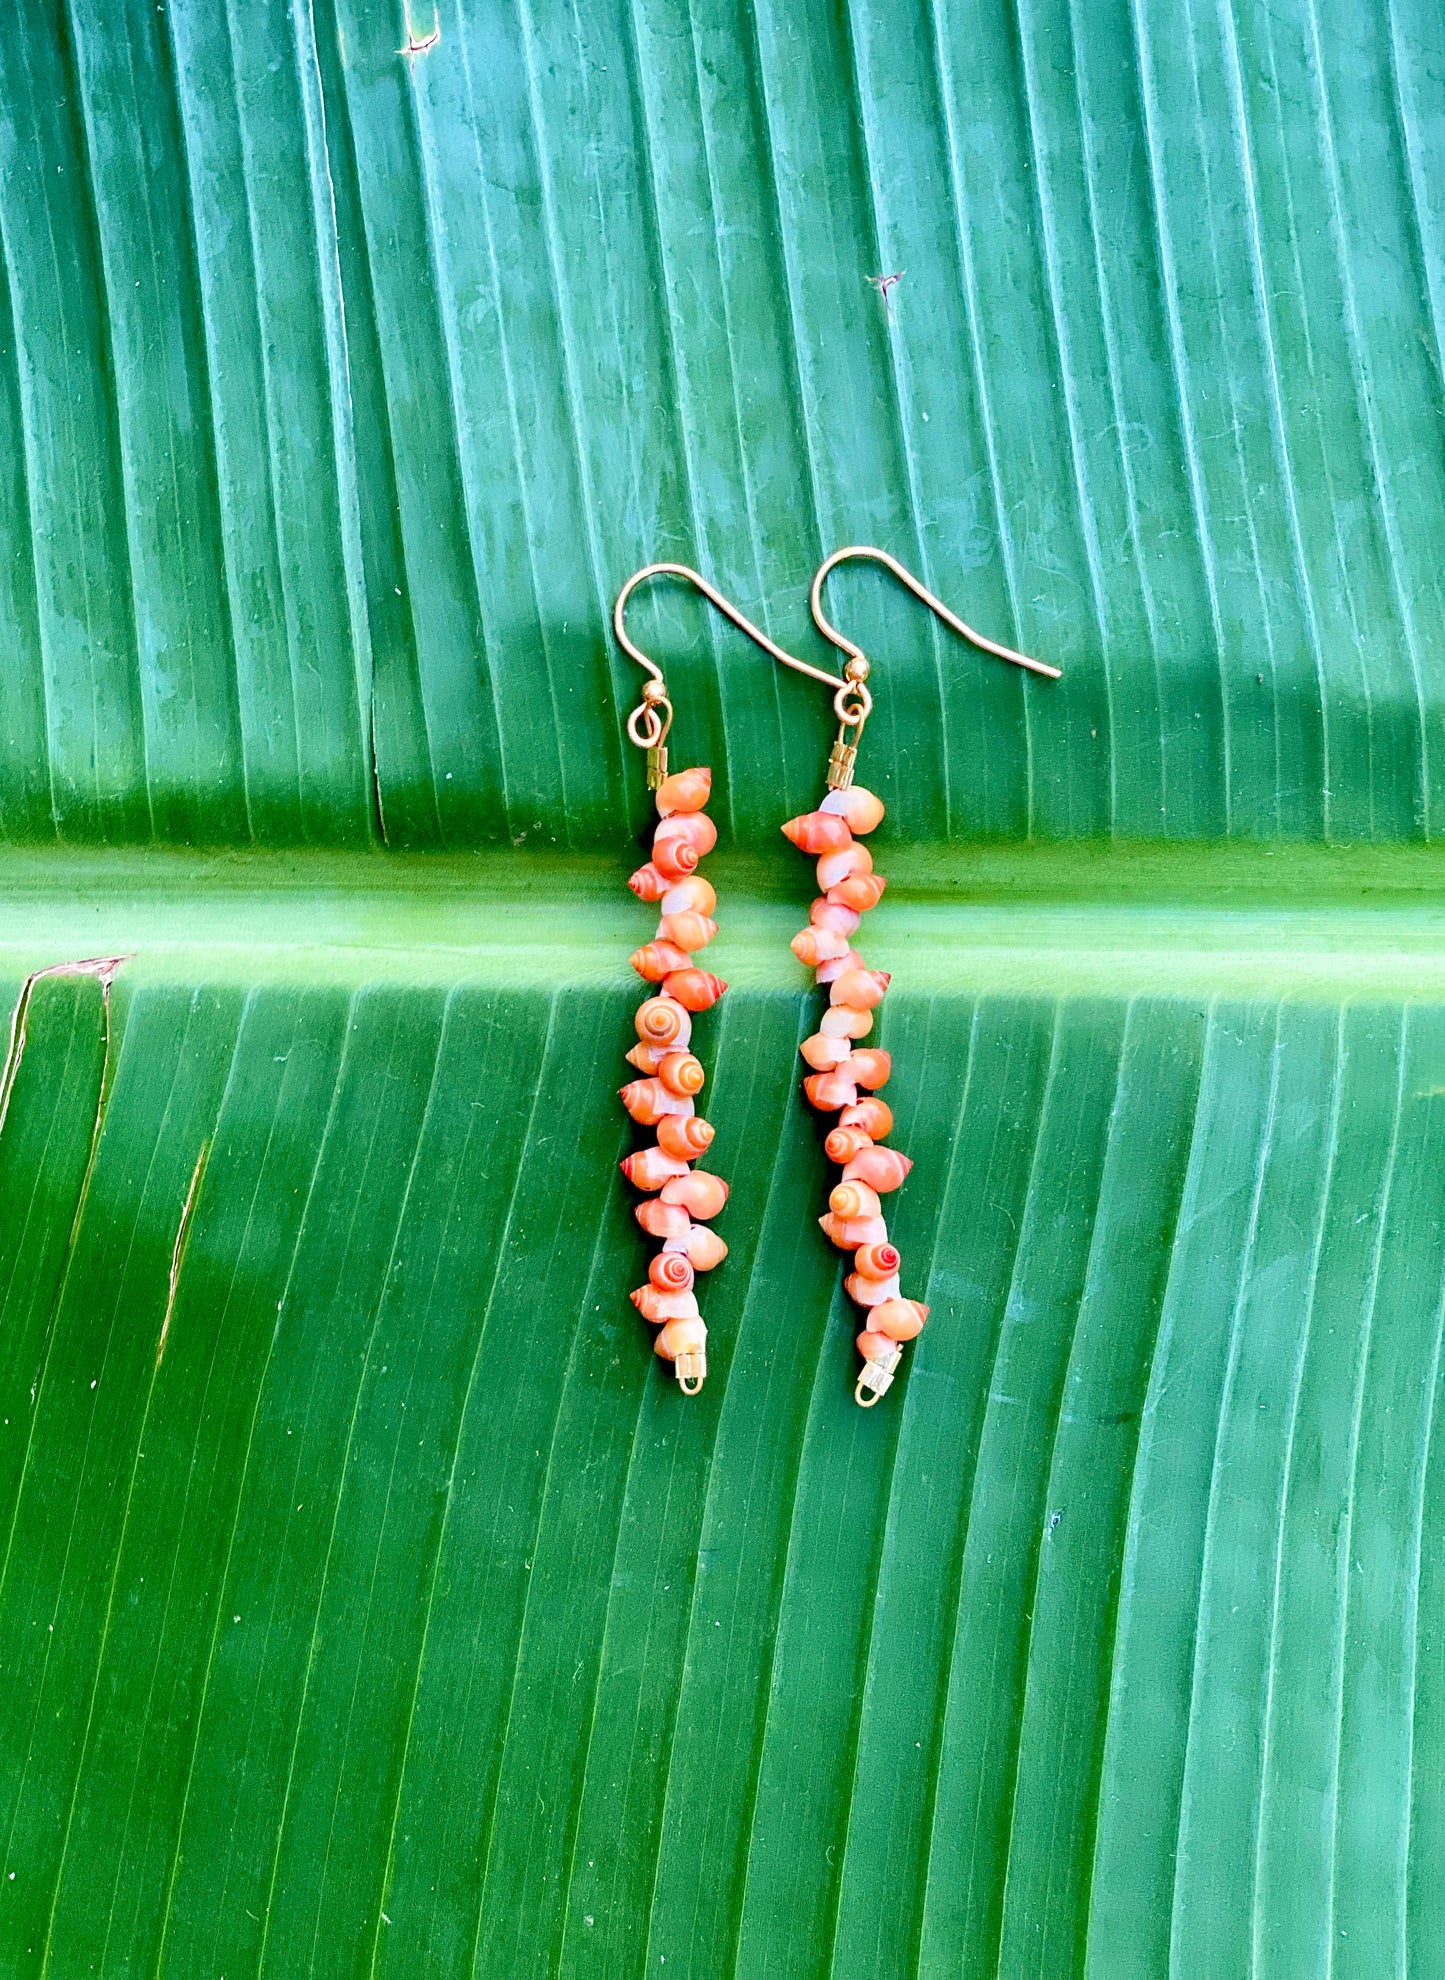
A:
{"x": 656, "y": 766}
{"x": 841, "y": 759}
{"x": 691, "y": 1371}
{"x": 876, "y": 1379}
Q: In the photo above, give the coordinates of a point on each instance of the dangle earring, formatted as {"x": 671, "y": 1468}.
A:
{"x": 845, "y": 1073}
{"x": 681, "y": 1199}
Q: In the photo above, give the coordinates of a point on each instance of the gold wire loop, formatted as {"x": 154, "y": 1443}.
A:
{"x": 906, "y": 577}
{"x": 648, "y": 729}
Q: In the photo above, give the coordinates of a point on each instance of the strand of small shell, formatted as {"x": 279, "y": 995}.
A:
{"x": 841, "y": 1066}
{"x": 681, "y": 1198}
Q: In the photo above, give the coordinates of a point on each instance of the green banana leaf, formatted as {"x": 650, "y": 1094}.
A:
{"x": 371, "y": 1603}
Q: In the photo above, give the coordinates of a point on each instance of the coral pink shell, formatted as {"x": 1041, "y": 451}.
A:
{"x": 705, "y": 1248}
{"x": 655, "y": 960}
{"x": 648, "y": 884}
{"x": 869, "y": 1067}
{"x": 854, "y": 1199}
{"x": 832, "y": 914}
{"x": 827, "y": 1090}
{"x": 671, "y": 1271}
{"x": 694, "y": 989}
{"x": 860, "y": 808}
{"x": 668, "y": 1221}
{"x": 662, "y": 1021}
{"x": 823, "y": 1053}
{"x": 682, "y": 1336}
{"x": 843, "y": 1143}
{"x": 649, "y": 1169}
{"x": 684, "y": 828}
{"x": 690, "y": 896}
{"x": 860, "y": 989}
{"x": 818, "y": 945}
{"x": 648, "y": 1101}
{"x": 818, "y": 832}
{"x": 702, "y": 1195}
{"x": 687, "y": 1137}
{"x": 682, "y": 1074}
{"x": 849, "y": 1232}
{"x": 842, "y": 1021}
{"x": 900, "y": 1319}
{"x": 878, "y": 1261}
{"x": 684, "y": 790}
{"x": 860, "y": 892}
{"x": 659, "y": 1306}
{"x": 883, "y": 1168}
{"x": 870, "y": 1292}
{"x": 874, "y": 1116}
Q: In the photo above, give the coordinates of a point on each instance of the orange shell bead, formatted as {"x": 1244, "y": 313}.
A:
{"x": 686, "y": 931}
{"x": 861, "y": 892}
{"x": 860, "y": 989}
{"x": 705, "y": 1248}
{"x": 685, "y": 1135}
{"x": 668, "y": 1221}
{"x": 823, "y": 1053}
{"x": 702, "y": 1195}
{"x": 842, "y": 1021}
{"x": 690, "y": 896}
{"x": 832, "y": 914}
{"x": 673, "y": 861}
{"x": 679, "y": 1337}
{"x": 854, "y": 1199}
{"x": 870, "y": 1292}
{"x": 650, "y": 1102}
{"x": 684, "y": 790}
{"x": 816, "y": 945}
{"x": 682, "y": 1074}
{"x": 874, "y": 1116}
{"x": 878, "y": 1261}
{"x": 650, "y": 1168}
{"x": 818, "y": 832}
{"x": 870, "y": 1067}
{"x": 648, "y": 884}
{"x": 662, "y": 1021}
{"x": 882, "y": 1168}
{"x": 829, "y": 972}
{"x": 836, "y": 866}
{"x": 827, "y": 1090}
{"x": 655, "y": 960}
{"x": 849, "y": 1233}
{"x": 843, "y": 1143}
{"x": 900, "y": 1319}
{"x": 877, "y": 1348}
{"x": 694, "y": 989}
{"x": 860, "y": 808}
{"x": 689, "y": 828}
{"x": 659, "y": 1306}
{"x": 671, "y": 1271}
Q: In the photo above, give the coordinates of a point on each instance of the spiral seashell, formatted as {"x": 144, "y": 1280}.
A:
{"x": 650, "y": 1169}
{"x": 684, "y": 790}
{"x": 878, "y": 1261}
{"x": 692, "y": 895}
{"x": 861, "y": 892}
{"x": 649, "y": 1101}
{"x": 682, "y": 1074}
{"x": 686, "y": 1137}
{"x": 869, "y": 1066}
{"x": 662, "y": 1021}
{"x": 817, "y": 945}
{"x": 823, "y": 1053}
{"x": 702, "y": 1195}
{"x": 668, "y": 1221}
{"x": 860, "y": 808}
{"x": 644, "y": 1057}
{"x": 704, "y": 1247}
{"x": 829, "y": 1090}
{"x": 870, "y": 1292}
{"x": 829, "y": 972}
{"x": 686, "y": 931}
{"x": 694, "y": 989}
{"x": 648, "y": 884}
{"x": 836, "y": 866}
{"x": 689, "y": 828}
{"x": 843, "y": 1143}
{"x": 899, "y": 1319}
{"x": 860, "y": 989}
{"x": 849, "y": 1233}
{"x": 654, "y": 960}
{"x": 681, "y": 1336}
{"x": 881, "y": 1168}
{"x": 874, "y": 1116}
{"x": 841, "y": 1021}
{"x": 818, "y": 832}
{"x": 660, "y": 1306}
{"x": 832, "y": 914}
{"x": 673, "y": 862}
{"x": 854, "y": 1199}
{"x": 878, "y": 1347}
{"x": 671, "y": 1271}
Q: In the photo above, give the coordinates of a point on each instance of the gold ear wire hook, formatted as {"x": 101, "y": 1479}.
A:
{"x": 647, "y": 725}
{"x": 906, "y": 577}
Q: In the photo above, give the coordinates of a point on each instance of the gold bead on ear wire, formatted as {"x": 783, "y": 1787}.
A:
{"x": 846, "y": 1074}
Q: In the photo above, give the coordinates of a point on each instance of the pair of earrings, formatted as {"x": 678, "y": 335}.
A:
{"x": 845, "y": 1073}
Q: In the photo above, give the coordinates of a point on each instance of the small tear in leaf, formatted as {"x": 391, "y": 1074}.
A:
{"x": 178, "y": 1250}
